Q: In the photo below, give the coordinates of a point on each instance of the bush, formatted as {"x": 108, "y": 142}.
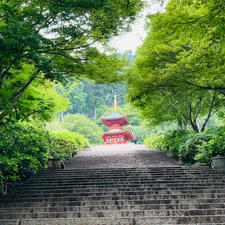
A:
{"x": 213, "y": 147}
{"x": 155, "y": 142}
{"x": 66, "y": 144}
{"x": 25, "y": 149}
{"x": 83, "y": 125}
{"x": 189, "y": 146}
{"x": 173, "y": 140}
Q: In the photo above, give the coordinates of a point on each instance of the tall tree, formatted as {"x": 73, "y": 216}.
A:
{"x": 179, "y": 71}
{"x": 59, "y": 39}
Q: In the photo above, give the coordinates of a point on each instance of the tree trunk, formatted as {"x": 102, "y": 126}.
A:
{"x": 95, "y": 112}
{"x": 209, "y": 113}
{"x": 180, "y": 125}
{"x": 61, "y": 116}
{"x": 192, "y": 123}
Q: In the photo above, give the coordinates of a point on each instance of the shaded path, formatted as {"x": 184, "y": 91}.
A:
{"x": 120, "y": 156}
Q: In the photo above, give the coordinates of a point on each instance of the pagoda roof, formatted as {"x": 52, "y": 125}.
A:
{"x": 114, "y": 115}
{"x": 115, "y": 118}
{"x": 126, "y": 133}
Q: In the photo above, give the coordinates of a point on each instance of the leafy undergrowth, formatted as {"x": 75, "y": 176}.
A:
{"x": 189, "y": 146}
{"x": 25, "y": 149}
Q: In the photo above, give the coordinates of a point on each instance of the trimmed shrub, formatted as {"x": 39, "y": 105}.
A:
{"x": 155, "y": 142}
{"x": 23, "y": 150}
{"x": 173, "y": 140}
{"x": 66, "y": 144}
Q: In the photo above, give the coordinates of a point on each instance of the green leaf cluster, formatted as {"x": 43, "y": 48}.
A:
{"x": 189, "y": 146}
{"x": 67, "y": 144}
{"x": 82, "y": 125}
{"x": 23, "y": 150}
{"x": 39, "y": 101}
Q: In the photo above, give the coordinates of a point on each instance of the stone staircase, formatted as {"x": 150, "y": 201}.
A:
{"x": 135, "y": 196}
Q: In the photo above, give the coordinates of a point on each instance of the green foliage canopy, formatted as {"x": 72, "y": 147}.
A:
{"x": 59, "y": 39}
{"x": 179, "y": 71}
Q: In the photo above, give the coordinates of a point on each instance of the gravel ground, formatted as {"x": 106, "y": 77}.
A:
{"x": 120, "y": 156}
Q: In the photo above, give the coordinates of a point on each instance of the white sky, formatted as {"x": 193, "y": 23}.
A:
{"x": 133, "y": 39}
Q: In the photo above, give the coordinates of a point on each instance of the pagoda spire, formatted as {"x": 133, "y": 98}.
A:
{"x": 115, "y": 103}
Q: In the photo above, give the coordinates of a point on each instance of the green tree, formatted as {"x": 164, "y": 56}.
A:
{"x": 82, "y": 125}
{"x": 59, "y": 39}
{"x": 39, "y": 101}
{"x": 180, "y": 57}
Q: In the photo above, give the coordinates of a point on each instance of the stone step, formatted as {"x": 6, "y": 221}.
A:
{"x": 35, "y": 209}
{"x": 119, "y": 202}
{"x": 63, "y": 173}
{"x": 111, "y": 183}
{"x": 71, "y": 197}
{"x": 123, "y": 182}
{"x": 72, "y": 189}
{"x": 60, "y": 192}
{"x": 128, "y": 175}
{"x": 114, "y": 193}
{"x": 115, "y": 214}
{"x": 120, "y": 185}
{"x": 209, "y": 220}
{"x": 120, "y": 178}
{"x": 147, "y": 178}
{"x": 155, "y": 168}
{"x": 126, "y": 172}
{"x": 153, "y": 173}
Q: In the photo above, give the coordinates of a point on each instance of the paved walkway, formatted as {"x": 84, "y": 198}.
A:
{"x": 120, "y": 156}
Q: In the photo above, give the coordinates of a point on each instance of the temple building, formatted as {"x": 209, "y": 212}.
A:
{"x": 115, "y": 122}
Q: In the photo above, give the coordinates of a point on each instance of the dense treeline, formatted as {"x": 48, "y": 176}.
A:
{"x": 89, "y": 98}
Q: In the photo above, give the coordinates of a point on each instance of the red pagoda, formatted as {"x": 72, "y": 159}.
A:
{"x": 115, "y": 122}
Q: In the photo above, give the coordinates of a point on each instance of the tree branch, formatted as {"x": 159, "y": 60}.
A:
{"x": 15, "y": 98}
{"x": 5, "y": 70}
{"x": 219, "y": 89}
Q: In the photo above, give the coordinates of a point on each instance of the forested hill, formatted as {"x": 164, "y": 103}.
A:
{"x": 91, "y": 99}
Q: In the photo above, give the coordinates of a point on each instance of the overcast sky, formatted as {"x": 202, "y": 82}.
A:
{"x": 133, "y": 39}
